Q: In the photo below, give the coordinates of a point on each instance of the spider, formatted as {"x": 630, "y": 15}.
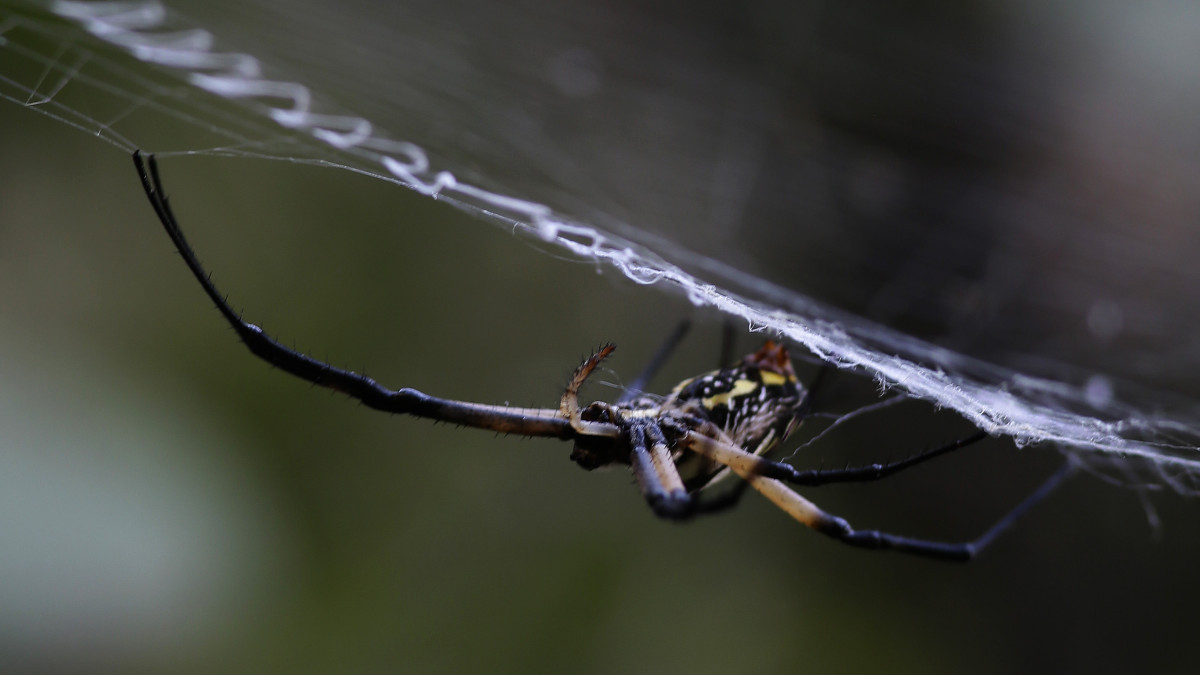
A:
{"x": 720, "y": 423}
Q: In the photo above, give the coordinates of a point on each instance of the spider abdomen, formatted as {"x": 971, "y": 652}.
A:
{"x": 753, "y": 402}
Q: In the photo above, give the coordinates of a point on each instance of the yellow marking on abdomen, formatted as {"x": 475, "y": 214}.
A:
{"x": 773, "y": 379}
{"x": 740, "y": 388}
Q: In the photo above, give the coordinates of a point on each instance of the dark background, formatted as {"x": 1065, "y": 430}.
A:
{"x": 982, "y": 177}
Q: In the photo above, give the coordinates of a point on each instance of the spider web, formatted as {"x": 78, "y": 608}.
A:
{"x": 689, "y": 155}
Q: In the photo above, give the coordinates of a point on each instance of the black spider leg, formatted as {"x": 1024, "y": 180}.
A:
{"x": 706, "y": 504}
{"x": 638, "y": 386}
{"x": 810, "y": 478}
{"x": 813, "y": 478}
{"x": 524, "y": 421}
{"x": 756, "y": 471}
{"x": 840, "y": 530}
{"x": 862, "y": 474}
{"x": 728, "y": 342}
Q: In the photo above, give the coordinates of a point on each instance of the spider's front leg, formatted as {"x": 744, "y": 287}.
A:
{"x": 542, "y": 422}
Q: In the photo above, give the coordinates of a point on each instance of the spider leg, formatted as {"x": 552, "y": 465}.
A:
{"x": 810, "y": 394}
{"x": 705, "y": 504}
{"x": 503, "y": 419}
{"x": 656, "y": 474}
{"x": 728, "y": 339}
{"x": 568, "y": 405}
{"x": 752, "y": 463}
{"x": 861, "y": 474}
{"x": 872, "y": 539}
{"x": 638, "y": 385}
{"x": 754, "y": 469}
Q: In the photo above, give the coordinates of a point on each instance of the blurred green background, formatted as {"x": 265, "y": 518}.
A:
{"x": 169, "y": 503}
